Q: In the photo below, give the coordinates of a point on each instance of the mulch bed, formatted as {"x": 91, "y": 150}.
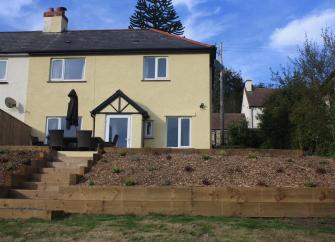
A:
{"x": 12, "y": 160}
{"x": 178, "y": 169}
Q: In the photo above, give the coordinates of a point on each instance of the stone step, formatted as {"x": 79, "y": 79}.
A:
{"x": 42, "y": 186}
{"x": 25, "y": 213}
{"x": 69, "y": 179}
{"x": 33, "y": 194}
{"x": 53, "y": 170}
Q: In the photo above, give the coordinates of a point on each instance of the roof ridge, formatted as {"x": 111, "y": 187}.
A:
{"x": 181, "y": 38}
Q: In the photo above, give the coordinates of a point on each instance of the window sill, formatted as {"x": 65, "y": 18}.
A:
{"x": 156, "y": 80}
{"x": 66, "y": 81}
{"x": 149, "y": 138}
{"x": 2, "y": 82}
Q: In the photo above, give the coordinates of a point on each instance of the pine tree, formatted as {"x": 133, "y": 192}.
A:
{"x": 156, "y": 14}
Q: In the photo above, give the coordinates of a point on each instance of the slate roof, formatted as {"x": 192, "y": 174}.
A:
{"x": 229, "y": 118}
{"x": 258, "y": 96}
{"x": 95, "y": 41}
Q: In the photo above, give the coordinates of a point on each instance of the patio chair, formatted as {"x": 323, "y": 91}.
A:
{"x": 84, "y": 140}
{"x": 56, "y": 139}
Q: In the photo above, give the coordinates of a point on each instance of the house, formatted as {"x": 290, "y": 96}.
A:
{"x": 253, "y": 102}
{"x": 151, "y": 88}
{"x": 229, "y": 119}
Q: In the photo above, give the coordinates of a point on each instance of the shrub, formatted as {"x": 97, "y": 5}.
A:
{"x": 26, "y": 162}
{"x": 123, "y": 153}
{"x": 166, "y": 182}
{"x": 156, "y": 153}
{"x": 91, "y": 182}
{"x": 290, "y": 160}
{"x": 280, "y": 170}
{"x": 206, "y": 182}
{"x": 188, "y": 168}
{"x": 135, "y": 158}
{"x": 324, "y": 162}
{"x": 206, "y": 157}
{"x": 2, "y": 152}
{"x": 262, "y": 184}
{"x": 222, "y": 152}
{"x": 252, "y": 155}
{"x": 320, "y": 170}
{"x": 117, "y": 170}
{"x": 169, "y": 157}
{"x": 311, "y": 184}
{"x": 152, "y": 168}
{"x": 9, "y": 166}
{"x": 130, "y": 183}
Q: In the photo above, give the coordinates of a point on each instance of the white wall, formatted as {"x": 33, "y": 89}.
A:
{"x": 17, "y": 77}
{"x": 251, "y": 114}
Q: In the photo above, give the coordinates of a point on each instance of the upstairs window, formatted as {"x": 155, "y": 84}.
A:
{"x": 67, "y": 69}
{"x": 155, "y": 68}
{"x": 3, "y": 70}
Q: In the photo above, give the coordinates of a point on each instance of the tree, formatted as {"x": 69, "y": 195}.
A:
{"x": 233, "y": 90}
{"x": 156, "y": 14}
{"x": 301, "y": 113}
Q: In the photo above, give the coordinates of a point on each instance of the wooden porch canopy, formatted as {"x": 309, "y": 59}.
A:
{"x": 120, "y": 97}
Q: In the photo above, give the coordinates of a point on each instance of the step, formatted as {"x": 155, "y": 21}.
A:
{"x": 58, "y": 164}
{"x": 69, "y": 170}
{"x": 33, "y": 194}
{"x": 86, "y": 154}
{"x": 25, "y": 213}
{"x": 69, "y": 179}
{"x": 42, "y": 186}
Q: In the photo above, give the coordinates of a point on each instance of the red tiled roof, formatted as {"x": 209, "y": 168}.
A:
{"x": 229, "y": 118}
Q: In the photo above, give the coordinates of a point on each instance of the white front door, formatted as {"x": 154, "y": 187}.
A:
{"x": 119, "y": 125}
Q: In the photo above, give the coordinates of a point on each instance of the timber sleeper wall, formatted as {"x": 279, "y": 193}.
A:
{"x": 205, "y": 201}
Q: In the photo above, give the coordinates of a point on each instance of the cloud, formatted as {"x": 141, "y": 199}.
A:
{"x": 293, "y": 34}
{"x": 188, "y": 3}
{"x": 12, "y": 12}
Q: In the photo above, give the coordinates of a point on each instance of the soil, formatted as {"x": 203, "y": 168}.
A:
{"x": 178, "y": 169}
{"x": 13, "y": 160}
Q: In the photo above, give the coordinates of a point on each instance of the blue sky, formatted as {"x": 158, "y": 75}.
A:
{"x": 257, "y": 34}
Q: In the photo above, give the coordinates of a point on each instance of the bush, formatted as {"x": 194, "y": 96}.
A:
{"x": 311, "y": 184}
{"x": 91, "y": 182}
{"x": 129, "y": 183}
{"x": 117, "y": 170}
{"x": 241, "y": 135}
{"x": 206, "y": 157}
{"x": 123, "y": 153}
{"x": 169, "y": 157}
{"x": 188, "y": 168}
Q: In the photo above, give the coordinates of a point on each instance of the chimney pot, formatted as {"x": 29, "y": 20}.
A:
{"x": 55, "y": 20}
{"x": 248, "y": 85}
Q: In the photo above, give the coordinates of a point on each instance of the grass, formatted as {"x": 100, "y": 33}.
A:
{"x": 167, "y": 228}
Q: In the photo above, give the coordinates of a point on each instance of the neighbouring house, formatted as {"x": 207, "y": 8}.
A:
{"x": 151, "y": 88}
{"x": 253, "y": 102}
{"x": 13, "y": 78}
{"x": 229, "y": 119}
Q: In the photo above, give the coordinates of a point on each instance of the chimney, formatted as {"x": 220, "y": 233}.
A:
{"x": 55, "y": 20}
{"x": 248, "y": 85}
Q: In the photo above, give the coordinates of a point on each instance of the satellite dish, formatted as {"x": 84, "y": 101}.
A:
{"x": 10, "y": 102}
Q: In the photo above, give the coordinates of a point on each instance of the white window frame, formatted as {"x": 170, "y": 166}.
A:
{"x": 129, "y": 127}
{"x": 63, "y": 70}
{"x": 6, "y": 71}
{"x": 146, "y": 135}
{"x": 59, "y": 125}
{"x": 156, "y": 68}
{"x": 179, "y": 133}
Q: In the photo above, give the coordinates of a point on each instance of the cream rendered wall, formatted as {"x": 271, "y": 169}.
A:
{"x": 17, "y": 76}
{"x": 189, "y": 86}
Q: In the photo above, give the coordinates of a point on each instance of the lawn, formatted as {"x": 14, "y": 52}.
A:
{"x": 167, "y": 228}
